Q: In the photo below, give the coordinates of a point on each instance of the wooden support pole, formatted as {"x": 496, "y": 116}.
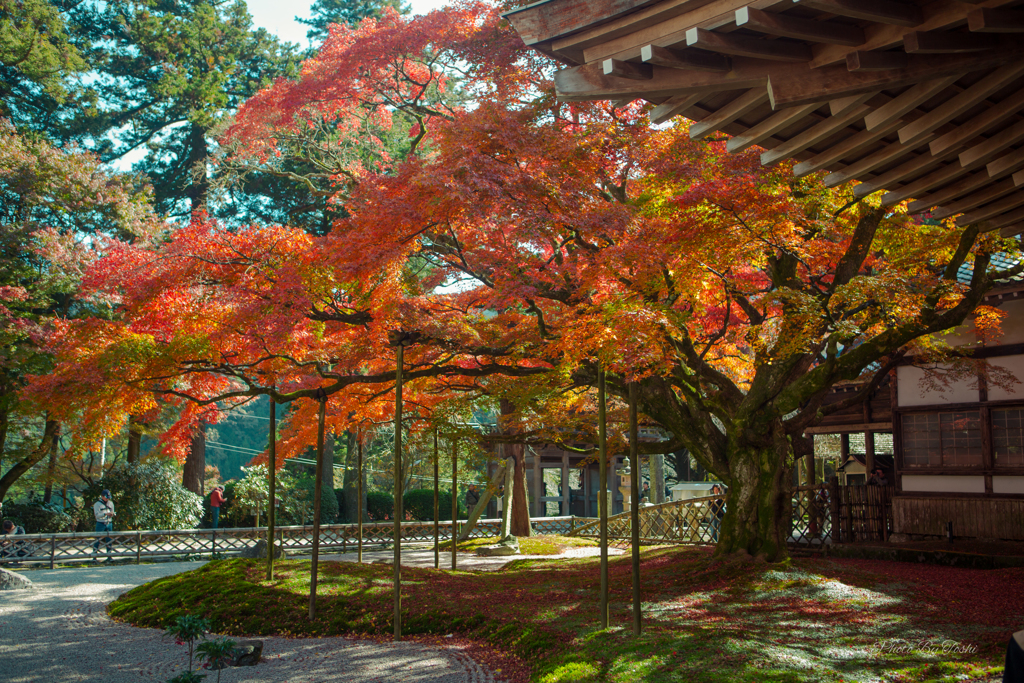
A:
{"x": 602, "y": 500}
{"x": 271, "y": 516}
{"x": 634, "y": 517}
{"x": 399, "y": 352}
{"x": 455, "y": 500}
{"x": 566, "y": 511}
{"x": 437, "y": 510}
{"x": 359, "y": 497}
{"x": 322, "y": 397}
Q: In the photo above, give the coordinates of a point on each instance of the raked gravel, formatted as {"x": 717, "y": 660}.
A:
{"x": 58, "y": 631}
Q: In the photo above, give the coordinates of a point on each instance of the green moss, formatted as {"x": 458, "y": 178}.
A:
{"x": 703, "y": 621}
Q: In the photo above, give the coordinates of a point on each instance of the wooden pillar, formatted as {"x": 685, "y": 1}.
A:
{"x": 869, "y": 453}
{"x": 809, "y": 465}
{"x": 587, "y": 486}
{"x": 658, "y": 478}
{"x": 565, "y": 485}
{"x": 537, "y": 487}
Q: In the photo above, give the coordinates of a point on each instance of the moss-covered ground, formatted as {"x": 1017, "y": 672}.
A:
{"x": 807, "y": 620}
{"x": 529, "y": 545}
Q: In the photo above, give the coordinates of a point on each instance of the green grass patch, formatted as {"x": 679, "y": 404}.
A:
{"x": 807, "y": 621}
{"x": 528, "y": 545}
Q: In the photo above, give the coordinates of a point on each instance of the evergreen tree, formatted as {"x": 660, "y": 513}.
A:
{"x": 348, "y": 12}
{"x": 168, "y": 73}
{"x": 39, "y": 56}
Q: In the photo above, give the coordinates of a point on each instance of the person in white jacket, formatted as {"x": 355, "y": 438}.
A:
{"x": 103, "y": 510}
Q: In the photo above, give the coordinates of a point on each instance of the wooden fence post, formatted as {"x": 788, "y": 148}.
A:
{"x": 138, "y": 547}
{"x": 833, "y": 499}
{"x": 213, "y": 545}
{"x": 53, "y": 549}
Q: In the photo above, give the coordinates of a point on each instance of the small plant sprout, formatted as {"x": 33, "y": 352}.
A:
{"x": 217, "y": 654}
{"x": 186, "y": 630}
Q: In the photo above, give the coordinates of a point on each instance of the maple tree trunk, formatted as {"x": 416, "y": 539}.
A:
{"x": 351, "y": 480}
{"x": 12, "y": 475}
{"x": 51, "y": 467}
{"x": 520, "y": 502}
{"x": 758, "y": 507}
{"x": 195, "y": 463}
{"x": 134, "y": 440}
{"x": 481, "y": 505}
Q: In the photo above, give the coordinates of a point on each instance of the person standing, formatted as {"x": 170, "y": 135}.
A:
{"x": 103, "y": 511}
{"x": 472, "y": 498}
{"x": 217, "y": 499}
{"x": 717, "y": 512}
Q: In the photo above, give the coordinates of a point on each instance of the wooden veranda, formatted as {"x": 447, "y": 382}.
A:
{"x": 921, "y": 99}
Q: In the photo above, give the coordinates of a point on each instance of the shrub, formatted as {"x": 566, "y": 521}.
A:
{"x": 419, "y": 505}
{"x": 38, "y": 518}
{"x": 380, "y": 505}
{"x": 147, "y": 496}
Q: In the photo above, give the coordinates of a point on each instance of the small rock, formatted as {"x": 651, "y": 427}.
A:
{"x": 13, "y": 581}
{"x": 898, "y": 538}
{"x": 507, "y": 546}
{"x": 248, "y": 653}
{"x": 259, "y": 551}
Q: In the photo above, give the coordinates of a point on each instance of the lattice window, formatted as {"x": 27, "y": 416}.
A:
{"x": 922, "y": 445}
{"x": 942, "y": 439}
{"x": 1008, "y": 437}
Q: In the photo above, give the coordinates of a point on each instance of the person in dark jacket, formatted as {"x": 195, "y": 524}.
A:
{"x": 1014, "y": 671}
{"x": 717, "y": 512}
{"x": 12, "y": 548}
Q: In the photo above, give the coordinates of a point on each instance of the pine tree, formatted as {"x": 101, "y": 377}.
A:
{"x": 347, "y": 12}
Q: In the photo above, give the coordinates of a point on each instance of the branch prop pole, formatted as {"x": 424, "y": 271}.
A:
{"x": 437, "y": 551}
{"x": 359, "y": 495}
{"x": 455, "y": 498}
{"x": 316, "y": 504}
{"x": 400, "y": 341}
{"x": 271, "y": 513}
{"x": 602, "y": 501}
{"x": 634, "y": 507}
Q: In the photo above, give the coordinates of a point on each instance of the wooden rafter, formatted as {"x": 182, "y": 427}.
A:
{"x": 910, "y": 97}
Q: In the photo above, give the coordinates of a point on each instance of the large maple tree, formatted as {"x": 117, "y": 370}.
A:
{"x": 734, "y": 296}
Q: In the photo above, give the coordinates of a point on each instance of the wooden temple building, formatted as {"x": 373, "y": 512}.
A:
{"x": 921, "y": 100}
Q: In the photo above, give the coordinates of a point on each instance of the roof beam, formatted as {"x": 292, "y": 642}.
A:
{"x": 915, "y": 188}
{"x": 701, "y": 60}
{"x": 961, "y": 187}
{"x": 740, "y": 46}
{"x": 908, "y": 169}
{"x": 631, "y": 70}
{"x": 993, "y": 209}
{"x": 847, "y": 147}
{"x": 938, "y": 15}
{"x": 768, "y": 127}
{"x": 1008, "y": 163}
{"x": 992, "y": 116}
{"x": 995, "y": 144}
{"x": 801, "y": 29}
{"x": 921, "y": 129}
{"x": 881, "y": 11}
{"x": 941, "y": 42}
{"x": 909, "y": 100}
{"x": 1004, "y": 220}
{"x": 976, "y": 199}
{"x": 814, "y": 134}
{"x": 792, "y": 88}
{"x": 996, "y": 21}
{"x": 738, "y": 107}
{"x": 674, "y": 107}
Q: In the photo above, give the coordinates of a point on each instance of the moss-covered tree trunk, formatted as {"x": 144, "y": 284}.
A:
{"x": 758, "y": 504}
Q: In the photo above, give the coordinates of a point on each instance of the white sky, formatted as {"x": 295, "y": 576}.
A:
{"x": 279, "y": 17}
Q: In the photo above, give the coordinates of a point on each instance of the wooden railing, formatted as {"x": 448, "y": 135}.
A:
{"x": 680, "y": 521}
{"x": 137, "y": 545}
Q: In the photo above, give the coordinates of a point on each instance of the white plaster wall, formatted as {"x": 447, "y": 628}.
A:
{"x": 943, "y": 484}
{"x": 910, "y": 391}
{"x": 1014, "y": 364}
{"x": 1013, "y": 323}
{"x": 1007, "y": 484}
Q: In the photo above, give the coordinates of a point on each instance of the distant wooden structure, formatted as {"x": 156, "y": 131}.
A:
{"x": 920, "y": 99}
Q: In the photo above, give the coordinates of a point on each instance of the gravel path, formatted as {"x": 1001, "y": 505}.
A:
{"x": 59, "y": 631}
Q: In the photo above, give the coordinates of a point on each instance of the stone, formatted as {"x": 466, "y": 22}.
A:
{"x": 259, "y": 551}
{"x": 507, "y": 546}
{"x": 13, "y": 581}
{"x": 248, "y": 653}
{"x": 898, "y": 538}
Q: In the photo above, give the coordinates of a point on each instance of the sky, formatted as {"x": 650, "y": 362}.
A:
{"x": 279, "y": 17}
